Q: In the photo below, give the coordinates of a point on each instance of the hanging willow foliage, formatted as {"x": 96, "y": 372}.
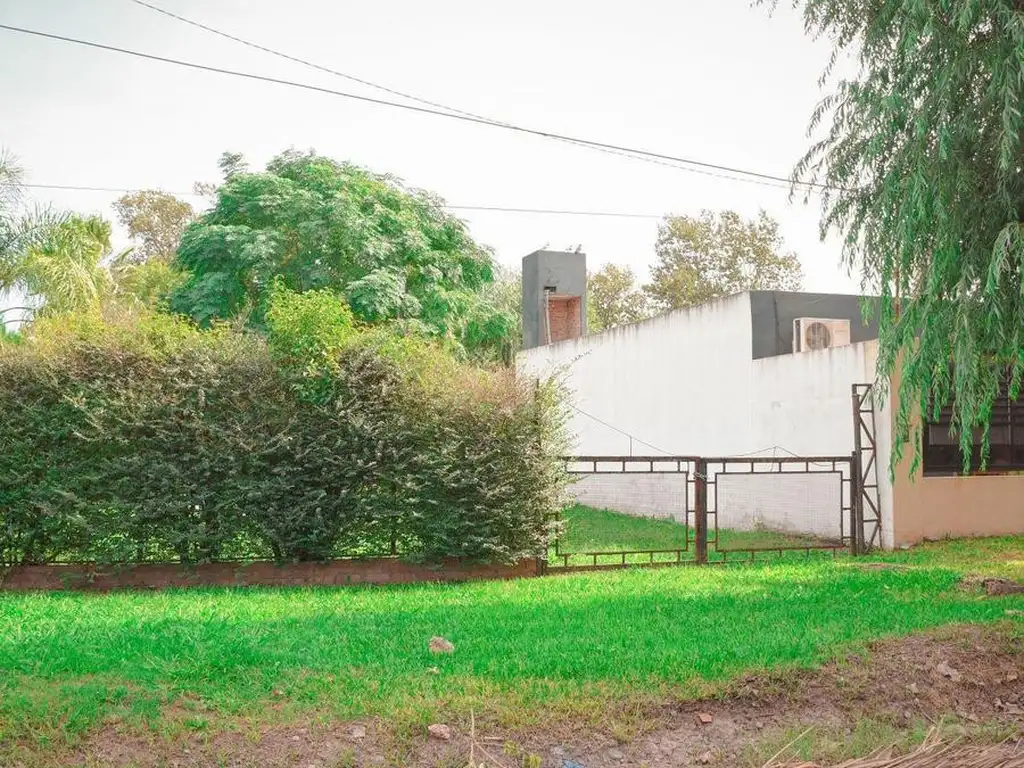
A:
{"x": 921, "y": 154}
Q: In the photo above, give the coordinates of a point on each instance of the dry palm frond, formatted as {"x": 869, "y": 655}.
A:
{"x": 933, "y": 753}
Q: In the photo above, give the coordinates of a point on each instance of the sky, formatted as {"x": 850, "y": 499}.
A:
{"x": 713, "y": 80}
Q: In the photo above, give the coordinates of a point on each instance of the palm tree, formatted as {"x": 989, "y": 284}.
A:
{"x": 55, "y": 261}
{"x": 65, "y": 271}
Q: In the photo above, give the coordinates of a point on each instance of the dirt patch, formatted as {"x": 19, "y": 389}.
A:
{"x": 999, "y": 587}
{"x": 972, "y": 676}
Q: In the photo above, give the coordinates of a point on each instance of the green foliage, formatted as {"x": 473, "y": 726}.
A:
{"x": 381, "y": 296}
{"x": 307, "y": 333}
{"x": 613, "y": 299}
{"x": 8, "y": 336}
{"x": 232, "y": 163}
{"x": 492, "y": 330}
{"x": 148, "y": 284}
{"x": 140, "y": 437}
{"x": 315, "y": 224}
{"x": 21, "y": 229}
{"x": 495, "y": 322}
{"x": 714, "y": 255}
{"x": 925, "y": 166}
{"x": 156, "y": 221}
{"x": 63, "y": 265}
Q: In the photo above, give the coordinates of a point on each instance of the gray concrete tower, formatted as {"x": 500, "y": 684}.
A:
{"x": 554, "y": 297}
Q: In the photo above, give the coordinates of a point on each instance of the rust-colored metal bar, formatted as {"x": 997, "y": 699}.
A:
{"x": 725, "y": 460}
{"x": 856, "y": 500}
{"x": 590, "y": 459}
{"x": 701, "y": 505}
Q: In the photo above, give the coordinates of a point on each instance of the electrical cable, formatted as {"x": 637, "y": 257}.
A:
{"x": 413, "y": 97}
{"x": 756, "y": 177}
{"x": 485, "y": 208}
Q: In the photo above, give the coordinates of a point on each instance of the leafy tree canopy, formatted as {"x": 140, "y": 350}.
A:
{"x": 718, "y": 254}
{"x": 148, "y": 283}
{"x": 310, "y": 223}
{"x": 923, "y": 157}
{"x": 155, "y": 220}
{"x": 614, "y": 299}
{"x": 62, "y": 269}
{"x": 21, "y": 229}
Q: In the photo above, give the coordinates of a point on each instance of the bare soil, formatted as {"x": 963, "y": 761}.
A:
{"x": 972, "y": 675}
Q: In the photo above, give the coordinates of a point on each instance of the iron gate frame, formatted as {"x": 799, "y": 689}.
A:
{"x": 865, "y": 451}
{"x": 684, "y": 465}
{"x": 829, "y": 465}
{"x": 696, "y": 471}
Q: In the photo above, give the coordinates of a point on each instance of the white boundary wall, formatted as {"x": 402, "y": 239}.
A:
{"x": 679, "y": 381}
{"x": 685, "y": 383}
{"x": 804, "y": 403}
{"x": 792, "y": 503}
{"x": 644, "y": 494}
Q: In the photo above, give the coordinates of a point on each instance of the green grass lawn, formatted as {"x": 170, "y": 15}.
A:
{"x": 599, "y": 530}
{"x": 525, "y": 649}
{"x": 994, "y": 556}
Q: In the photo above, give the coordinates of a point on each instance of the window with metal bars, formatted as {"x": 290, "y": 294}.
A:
{"x": 941, "y": 450}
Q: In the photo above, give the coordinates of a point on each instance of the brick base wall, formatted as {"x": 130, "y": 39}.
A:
{"x": 564, "y": 318}
{"x": 335, "y": 573}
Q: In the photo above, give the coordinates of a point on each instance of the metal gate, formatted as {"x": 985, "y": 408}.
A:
{"x": 867, "y": 505}
{"x": 725, "y": 506}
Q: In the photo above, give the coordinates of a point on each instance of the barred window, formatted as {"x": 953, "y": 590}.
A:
{"x": 941, "y": 450}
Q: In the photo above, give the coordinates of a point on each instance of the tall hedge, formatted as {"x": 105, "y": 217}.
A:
{"x": 145, "y": 439}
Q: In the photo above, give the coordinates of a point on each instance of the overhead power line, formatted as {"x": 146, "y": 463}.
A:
{"x": 556, "y": 211}
{"x": 484, "y": 208}
{"x": 755, "y": 176}
{"x": 82, "y": 188}
{"x": 428, "y": 102}
{"x": 306, "y": 62}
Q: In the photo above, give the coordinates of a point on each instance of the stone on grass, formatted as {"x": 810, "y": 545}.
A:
{"x": 441, "y": 645}
{"x": 440, "y": 731}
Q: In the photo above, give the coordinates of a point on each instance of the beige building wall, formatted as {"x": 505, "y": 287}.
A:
{"x": 940, "y": 507}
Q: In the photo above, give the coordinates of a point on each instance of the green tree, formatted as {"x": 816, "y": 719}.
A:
{"x": 923, "y": 160}
{"x": 312, "y": 223}
{"x": 155, "y": 221}
{"x": 613, "y": 298}
{"x": 496, "y": 322}
{"x": 63, "y": 270}
{"x": 21, "y": 228}
{"x": 149, "y": 283}
{"x": 718, "y": 254}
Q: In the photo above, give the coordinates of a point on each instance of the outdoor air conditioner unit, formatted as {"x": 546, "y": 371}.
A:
{"x": 810, "y": 333}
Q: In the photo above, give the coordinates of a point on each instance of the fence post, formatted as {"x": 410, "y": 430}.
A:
{"x": 700, "y": 488}
{"x": 856, "y": 512}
